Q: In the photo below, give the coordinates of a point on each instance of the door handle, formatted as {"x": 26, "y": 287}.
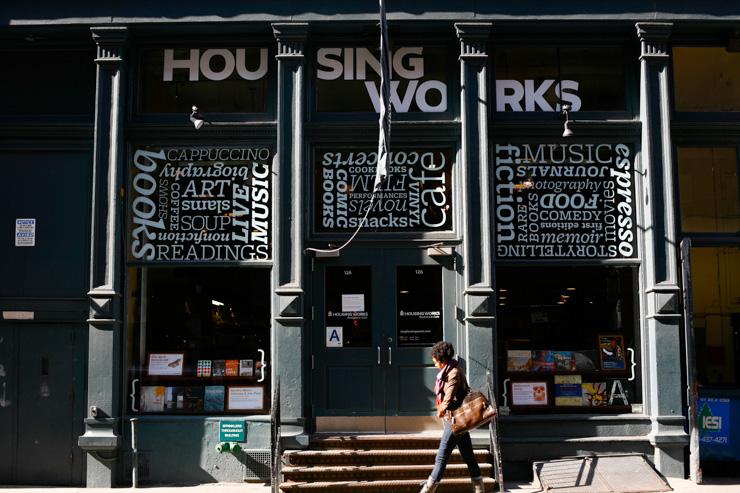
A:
{"x": 378, "y": 355}
{"x": 390, "y": 356}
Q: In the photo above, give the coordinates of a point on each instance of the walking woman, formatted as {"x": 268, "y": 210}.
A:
{"x": 450, "y": 389}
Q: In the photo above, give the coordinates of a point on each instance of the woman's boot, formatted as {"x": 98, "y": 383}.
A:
{"x": 479, "y": 486}
{"x": 429, "y": 486}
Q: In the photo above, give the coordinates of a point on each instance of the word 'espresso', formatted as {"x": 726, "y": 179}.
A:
{"x": 581, "y": 203}
{"x": 192, "y": 206}
{"x": 415, "y": 196}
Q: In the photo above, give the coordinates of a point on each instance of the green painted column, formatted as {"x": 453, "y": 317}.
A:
{"x": 102, "y": 425}
{"x": 662, "y": 307}
{"x": 288, "y": 277}
{"x": 479, "y": 295}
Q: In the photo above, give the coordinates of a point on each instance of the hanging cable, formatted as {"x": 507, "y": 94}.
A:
{"x": 384, "y": 132}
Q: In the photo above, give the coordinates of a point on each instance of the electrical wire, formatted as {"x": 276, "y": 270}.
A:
{"x": 357, "y": 231}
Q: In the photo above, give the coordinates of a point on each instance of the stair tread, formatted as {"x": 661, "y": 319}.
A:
{"x": 361, "y": 484}
{"x": 396, "y": 467}
{"x": 317, "y": 453}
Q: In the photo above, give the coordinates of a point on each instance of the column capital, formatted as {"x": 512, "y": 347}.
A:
{"x": 111, "y": 42}
{"x": 473, "y": 39}
{"x": 291, "y": 38}
{"x": 654, "y": 39}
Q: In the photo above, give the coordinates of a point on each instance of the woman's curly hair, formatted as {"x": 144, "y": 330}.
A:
{"x": 443, "y": 351}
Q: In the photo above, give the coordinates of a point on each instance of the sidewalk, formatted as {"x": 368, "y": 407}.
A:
{"x": 713, "y": 485}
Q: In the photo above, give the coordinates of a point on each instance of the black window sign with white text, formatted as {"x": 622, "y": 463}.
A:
{"x": 201, "y": 204}
{"x": 565, "y": 201}
{"x": 417, "y": 195}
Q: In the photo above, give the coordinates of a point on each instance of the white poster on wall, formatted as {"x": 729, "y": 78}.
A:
{"x": 25, "y": 232}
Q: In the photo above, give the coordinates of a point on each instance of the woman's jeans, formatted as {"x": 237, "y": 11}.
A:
{"x": 446, "y": 446}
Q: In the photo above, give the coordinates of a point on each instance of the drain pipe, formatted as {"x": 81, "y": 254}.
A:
{"x": 134, "y": 455}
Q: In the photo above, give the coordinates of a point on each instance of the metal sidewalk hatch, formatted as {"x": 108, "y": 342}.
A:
{"x": 599, "y": 474}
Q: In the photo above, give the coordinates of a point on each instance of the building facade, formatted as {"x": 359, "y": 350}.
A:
{"x": 562, "y": 204}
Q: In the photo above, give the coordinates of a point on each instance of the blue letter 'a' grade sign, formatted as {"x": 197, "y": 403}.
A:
{"x": 232, "y": 431}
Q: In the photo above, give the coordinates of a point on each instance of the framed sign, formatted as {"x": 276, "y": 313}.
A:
{"x": 166, "y": 363}
{"x": 246, "y": 398}
{"x": 529, "y": 394}
{"x": 201, "y": 204}
{"x": 416, "y": 196}
{"x": 611, "y": 352}
{"x": 557, "y": 201}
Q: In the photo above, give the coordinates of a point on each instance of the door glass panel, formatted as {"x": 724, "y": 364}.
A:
{"x": 419, "y": 304}
{"x": 708, "y": 181}
{"x": 715, "y": 289}
{"x": 348, "y": 302}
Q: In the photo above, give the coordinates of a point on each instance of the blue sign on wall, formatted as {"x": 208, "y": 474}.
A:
{"x": 714, "y": 421}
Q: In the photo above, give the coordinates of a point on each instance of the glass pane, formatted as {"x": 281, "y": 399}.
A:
{"x": 205, "y": 332}
{"x": 715, "y": 288}
{"x": 347, "y": 80}
{"x": 706, "y": 79}
{"x": 708, "y": 181}
{"x": 234, "y": 94}
{"x": 419, "y": 305}
{"x": 348, "y": 304}
{"x": 598, "y": 72}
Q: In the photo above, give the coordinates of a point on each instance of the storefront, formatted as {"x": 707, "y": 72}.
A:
{"x": 707, "y": 170}
{"x": 542, "y": 179}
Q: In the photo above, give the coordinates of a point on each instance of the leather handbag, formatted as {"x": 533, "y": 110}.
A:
{"x": 474, "y": 411}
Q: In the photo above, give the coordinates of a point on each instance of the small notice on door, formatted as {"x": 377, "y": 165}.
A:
{"x": 353, "y": 302}
{"x": 25, "y": 232}
{"x": 334, "y": 337}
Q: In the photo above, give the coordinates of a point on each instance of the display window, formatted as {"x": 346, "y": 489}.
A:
{"x": 706, "y": 79}
{"x": 715, "y": 283}
{"x": 567, "y": 338}
{"x": 708, "y": 180}
{"x": 200, "y": 340}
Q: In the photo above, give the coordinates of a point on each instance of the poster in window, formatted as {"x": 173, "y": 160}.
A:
{"x": 594, "y": 394}
{"x": 565, "y": 201}
{"x": 529, "y": 394}
{"x": 201, "y": 204}
{"x": 166, "y": 363}
{"x": 152, "y": 399}
{"x": 611, "y": 352}
{"x": 246, "y": 398}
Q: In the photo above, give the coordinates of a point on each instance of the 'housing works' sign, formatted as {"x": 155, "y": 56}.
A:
{"x": 565, "y": 201}
{"x": 206, "y": 204}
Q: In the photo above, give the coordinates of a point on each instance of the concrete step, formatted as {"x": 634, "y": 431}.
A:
{"x": 448, "y": 485}
{"x": 372, "y": 473}
{"x": 375, "y": 442}
{"x": 371, "y": 457}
